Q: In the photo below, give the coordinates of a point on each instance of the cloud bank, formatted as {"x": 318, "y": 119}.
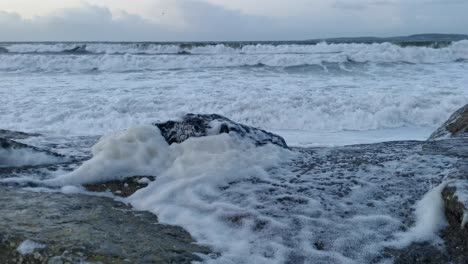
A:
{"x": 201, "y": 20}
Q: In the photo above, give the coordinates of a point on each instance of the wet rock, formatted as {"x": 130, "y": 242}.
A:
{"x": 418, "y": 253}
{"x": 8, "y": 134}
{"x": 10, "y": 144}
{"x": 15, "y": 155}
{"x": 200, "y": 125}
{"x": 184, "y": 52}
{"x": 6, "y": 143}
{"x": 455, "y": 235}
{"x": 77, "y": 49}
{"x": 123, "y": 188}
{"x": 454, "y": 147}
{"x": 79, "y": 228}
{"x": 455, "y": 126}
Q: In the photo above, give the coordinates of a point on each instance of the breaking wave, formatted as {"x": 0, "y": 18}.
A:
{"x": 116, "y": 57}
{"x": 18, "y": 157}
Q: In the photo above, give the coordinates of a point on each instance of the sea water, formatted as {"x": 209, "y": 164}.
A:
{"x": 249, "y": 204}
{"x": 322, "y": 94}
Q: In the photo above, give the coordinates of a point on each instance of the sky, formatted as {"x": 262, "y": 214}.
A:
{"x": 229, "y": 20}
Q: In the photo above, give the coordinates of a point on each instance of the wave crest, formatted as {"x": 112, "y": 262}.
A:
{"x": 136, "y": 57}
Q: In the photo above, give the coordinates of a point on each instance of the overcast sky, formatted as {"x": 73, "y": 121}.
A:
{"x": 166, "y": 20}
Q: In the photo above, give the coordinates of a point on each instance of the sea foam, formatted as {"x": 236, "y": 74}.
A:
{"x": 25, "y": 157}
{"x": 133, "y": 57}
{"x": 267, "y": 204}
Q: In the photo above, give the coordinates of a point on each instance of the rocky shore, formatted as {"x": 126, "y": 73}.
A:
{"x": 64, "y": 227}
{"x": 450, "y": 139}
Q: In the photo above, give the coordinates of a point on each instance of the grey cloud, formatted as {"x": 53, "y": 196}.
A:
{"x": 208, "y": 21}
{"x": 348, "y": 5}
{"x": 360, "y": 4}
{"x": 205, "y": 21}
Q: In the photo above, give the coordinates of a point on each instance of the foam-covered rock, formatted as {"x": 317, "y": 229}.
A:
{"x": 455, "y": 126}
{"x": 200, "y": 125}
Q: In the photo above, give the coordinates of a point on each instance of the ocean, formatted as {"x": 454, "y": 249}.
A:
{"x": 89, "y": 108}
{"x": 312, "y": 94}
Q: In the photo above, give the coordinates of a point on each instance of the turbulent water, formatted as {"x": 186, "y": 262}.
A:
{"x": 266, "y": 204}
{"x": 319, "y": 94}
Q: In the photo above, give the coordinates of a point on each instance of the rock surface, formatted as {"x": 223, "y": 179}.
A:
{"x": 418, "y": 253}
{"x": 200, "y": 125}
{"x": 122, "y": 188}
{"x": 79, "y": 228}
{"x": 6, "y": 143}
{"x": 454, "y": 196}
{"x": 455, "y": 235}
{"x": 455, "y": 126}
{"x": 8, "y": 134}
{"x": 15, "y": 155}
{"x": 76, "y": 228}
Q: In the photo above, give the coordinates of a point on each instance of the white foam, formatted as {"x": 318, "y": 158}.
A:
{"x": 430, "y": 219}
{"x": 14, "y": 157}
{"x": 165, "y": 56}
{"x": 330, "y": 96}
{"x": 71, "y": 189}
{"x": 405, "y": 96}
{"x": 29, "y": 246}
{"x": 201, "y": 166}
{"x": 271, "y": 205}
{"x": 464, "y": 219}
{"x": 144, "y": 180}
{"x": 386, "y": 50}
{"x": 137, "y": 151}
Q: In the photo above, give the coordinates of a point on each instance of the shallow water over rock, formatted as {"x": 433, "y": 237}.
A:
{"x": 78, "y": 228}
{"x": 346, "y": 203}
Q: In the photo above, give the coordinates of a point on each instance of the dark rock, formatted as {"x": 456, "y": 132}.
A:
{"x": 8, "y": 134}
{"x": 455, "y": 126}
{"x": 11, "y": 144}
{"x": 418, "y": 253}
{"x": 453, "y": 147}
{"x": 123, "y": 188}
{"x": 77, "y": 49}
{"x": 200, "y": 125}
{"x": 455, "y": 236}
{"x": 184, "y": 52}
{"x": 87, "y": 229}
{"x": 16, "y": 157}
{"x": 3, "y": 50}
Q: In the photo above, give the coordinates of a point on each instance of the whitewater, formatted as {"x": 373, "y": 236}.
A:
{"x": 320, "y": 94}
{"x": 319, "y": 201}
{"x": 287, "y": 88}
